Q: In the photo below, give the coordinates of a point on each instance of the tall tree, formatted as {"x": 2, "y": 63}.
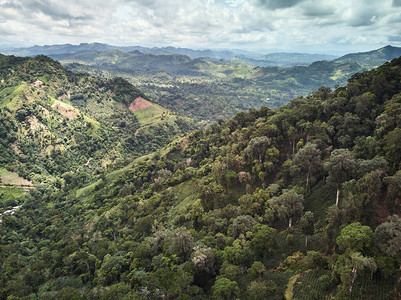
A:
{"x": 306, "y": 162}
{"x": 288, "y": 205}
{"x": 355, "y": 237}
{"x": 307, "y": 225}
{"x": 341, "y": 167}
{"x": 257, "y": 147}
{"x": 387, "y": 237}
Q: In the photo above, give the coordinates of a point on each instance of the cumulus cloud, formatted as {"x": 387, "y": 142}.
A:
{"x": 396, "y": 3}
{"x": 306, "y": 25}
{"x": 277, "y": 4}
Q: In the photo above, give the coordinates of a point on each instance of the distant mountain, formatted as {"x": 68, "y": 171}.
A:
{"x": 273, "y": 59}
{"x": 373, "y": 58}
{"x": 83, "y": 47}
{"x": 58, "y": 49}
{"x": 215, "y": 54}
{"x": 208, "y": 89}
{"x": 133, "y": 61}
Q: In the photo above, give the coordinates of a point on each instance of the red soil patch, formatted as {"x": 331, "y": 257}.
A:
{"x": 138, "y": 104}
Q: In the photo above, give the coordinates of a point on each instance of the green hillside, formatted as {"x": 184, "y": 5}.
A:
{"x": 299, "y": 202}
{"x": 54, "y": 121}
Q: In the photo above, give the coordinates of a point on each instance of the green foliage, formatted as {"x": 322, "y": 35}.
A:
{"x": 355, "y": 237}
{"x": 225, "y": 289}
{"x": 208, "y": 214}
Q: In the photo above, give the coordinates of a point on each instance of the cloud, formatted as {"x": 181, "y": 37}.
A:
{"x": 313, "y": 10}
{"x": 394, "y": 38}
{"x": 277, "y": 4}
{"x": 249, "y": 24}
{"x": 396, "y": 3}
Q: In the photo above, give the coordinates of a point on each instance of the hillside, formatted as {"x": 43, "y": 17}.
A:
{"x": 299, "y": 202}
{"x": 54, "y": 121}
{"x": 372, "y": 58}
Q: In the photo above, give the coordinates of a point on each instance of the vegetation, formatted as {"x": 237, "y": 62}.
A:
{"x": 54, "y": 121}
{"x": 224, "y": 212}
{"x": 208, "y": 89}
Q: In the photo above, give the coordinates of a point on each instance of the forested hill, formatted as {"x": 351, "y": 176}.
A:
{"x": 209, "y": 90}
{"x": 301, "y": 202}
{"x": 54, "y": 121}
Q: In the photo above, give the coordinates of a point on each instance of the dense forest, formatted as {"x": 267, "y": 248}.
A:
{"x": 297, "y": 202}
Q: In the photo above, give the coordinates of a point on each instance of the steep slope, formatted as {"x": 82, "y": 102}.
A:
{"x": 54, "y": 121}
{"x": 245, "y": 209}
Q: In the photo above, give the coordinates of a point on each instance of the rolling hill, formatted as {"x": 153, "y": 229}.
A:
{"x": 209, "y": 90}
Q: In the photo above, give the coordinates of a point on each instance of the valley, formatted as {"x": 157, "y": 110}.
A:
{"x": 206, "y": 89}
{"x": 222, "y": 150}
{"x": 133, "y": 199}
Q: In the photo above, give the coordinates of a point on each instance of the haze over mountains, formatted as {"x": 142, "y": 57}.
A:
{"x": 273, "y": 59}
{"x": 206, "y": 88}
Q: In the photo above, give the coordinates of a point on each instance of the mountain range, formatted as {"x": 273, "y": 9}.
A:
{"x": 273, "y": 59}
{"x": 207, "y": 89}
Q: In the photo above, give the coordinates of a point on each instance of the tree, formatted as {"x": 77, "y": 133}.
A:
{"x": 263, "y": 240}
{"x": 393, "y": 197}
{"x": 370, "y": 189}
{"x": 355, "y": 237}
{"x": 307, "y": 225}
{"x": 259, "y": 290}
{"x": 341, "y": 167}
{"x": 387, "y": 237}
{"x": 288, "y": 205}
{"x": 392, "y": 143}
{"x": 257, "y": 147}
{"x": 349, "y": 264}
{"x": 225, "y": 289}
{"x": 306, "y": 161}
{"x": 256, "y": 271}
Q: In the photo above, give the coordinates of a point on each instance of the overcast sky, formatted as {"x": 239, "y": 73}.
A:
{"x": 330, "y": 26}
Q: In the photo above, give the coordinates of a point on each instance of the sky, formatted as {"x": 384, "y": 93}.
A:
{"x": 312, "y": 26}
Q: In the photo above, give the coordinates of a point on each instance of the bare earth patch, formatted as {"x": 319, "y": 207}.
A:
{"x": 138, "y": 104}
{"x": 37, "y": 83}
{"x": 65, "y": 109}
{"x": 184, "y": 143}
{"x": 10, "y": 178}
{"x": 35, "y": 125}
